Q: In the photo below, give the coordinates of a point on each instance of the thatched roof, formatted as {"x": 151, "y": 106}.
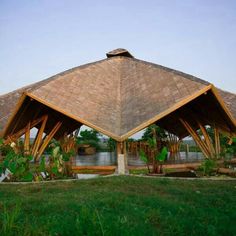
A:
{"x": 118, "y": 96}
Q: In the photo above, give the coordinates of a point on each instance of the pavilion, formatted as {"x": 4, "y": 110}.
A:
{"x": 118, "y": 96}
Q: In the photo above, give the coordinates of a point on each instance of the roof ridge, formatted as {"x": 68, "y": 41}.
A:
{"x": 177, "y": 72}
{"x": 226, "y": 91}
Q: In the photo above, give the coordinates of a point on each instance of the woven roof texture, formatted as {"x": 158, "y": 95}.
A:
{"x": 115, "y": 95}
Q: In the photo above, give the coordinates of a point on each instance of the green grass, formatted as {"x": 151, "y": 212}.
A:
{"x": 122, "y": 205}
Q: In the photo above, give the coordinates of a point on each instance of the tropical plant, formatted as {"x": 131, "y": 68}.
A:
{"x": 18, "y": 164}
{"x": 155, "y": 137}
{"x": 208, "y": 166}
{"x": 56, "y": 162}
{"x": 21, "y": 168}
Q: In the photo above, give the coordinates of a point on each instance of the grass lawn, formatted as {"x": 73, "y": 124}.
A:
{"x": 119, "y": 205}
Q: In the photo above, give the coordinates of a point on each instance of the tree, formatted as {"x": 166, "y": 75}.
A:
{"x": 90, "y": 137}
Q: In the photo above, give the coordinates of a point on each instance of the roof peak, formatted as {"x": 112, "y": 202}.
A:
{"x": 119, "y": 52}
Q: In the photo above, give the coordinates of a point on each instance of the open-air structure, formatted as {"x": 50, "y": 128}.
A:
{"x": 118, "y": 96}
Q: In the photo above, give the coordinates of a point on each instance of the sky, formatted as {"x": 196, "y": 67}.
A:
{"x": 40, "y": 38}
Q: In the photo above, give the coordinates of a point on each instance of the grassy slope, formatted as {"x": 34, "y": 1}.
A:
{"x": 122, "y": 206}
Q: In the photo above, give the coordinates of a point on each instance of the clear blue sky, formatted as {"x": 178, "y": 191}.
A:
{"x": 40, "y": 38}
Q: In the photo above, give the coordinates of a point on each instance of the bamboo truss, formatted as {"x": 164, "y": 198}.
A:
{"x": 210, "y": 148}
{"x": 41, "y": 141}
{"x": 173, "y": 143}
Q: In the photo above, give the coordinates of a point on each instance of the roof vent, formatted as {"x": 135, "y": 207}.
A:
{"x": 119, "y": 52}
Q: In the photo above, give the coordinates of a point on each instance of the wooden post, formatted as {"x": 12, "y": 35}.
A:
{"x": 121, "y": 158}
{"x": 27, "y": 140}
{"x": 187, "y": 150}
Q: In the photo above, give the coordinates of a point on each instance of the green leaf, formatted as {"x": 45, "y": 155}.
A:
{"x": 162, "y": 155}
{"x": 1, "y": 168}
{"x": 30, "y": 157}
{"x": 55, "y": 151}
{"x": 21, "y": 160}
{"x": 12, "y": 167}
{"x": 54, "y": 170}
{"x": 28, "y": 177}
{"x": 6, "y": 163}
{"x": 1, "y": 141}
{"x": 143, "y": 156}
{"x": 42, "y": 166}
{"x": 20, "y": 170}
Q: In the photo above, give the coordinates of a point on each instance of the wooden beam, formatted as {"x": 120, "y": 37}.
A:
{"x": 111, "y": 168}
{"x": 27, "y": 140}
{"x": 196, "y": 138}
{"x": 14, "y": 137}
{"x": 39, "y": 136}
{"x": 47, "y": 139}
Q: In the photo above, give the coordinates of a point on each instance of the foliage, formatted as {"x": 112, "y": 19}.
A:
{"x": 148, "y": 133}
{"x": 135, "y": 206}
{"x": 111, "y": 143}
{"x": 208, "y": 166}
{"x": 22, "y": 168}
{"x": 90, "y": 137}
{"x": 161, "y": 157}
{"x": 227, "y": 145}
{"x": 156, "y": 139}
{"x": 56, "y": 162}
{"x": 143, "y": 156}
{"x": 18, "y": 164}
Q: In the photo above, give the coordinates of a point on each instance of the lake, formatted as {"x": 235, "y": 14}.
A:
{"x": 109, "y": 159}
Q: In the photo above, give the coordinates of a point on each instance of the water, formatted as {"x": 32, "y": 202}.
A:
{"x": 109, "y": 159}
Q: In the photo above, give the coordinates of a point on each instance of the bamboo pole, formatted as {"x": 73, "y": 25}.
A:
{"x": 47, "y": 139}
{"x": 27, "y": 140}
{"x": 39, "y": 136}
{"x": 196, "y": 138}
{"x": 207, "y": 140}
{"x": 14, "y": 137}
{"x": 217, "y": 142}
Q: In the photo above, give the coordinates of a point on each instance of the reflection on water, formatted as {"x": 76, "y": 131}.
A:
{"x": 109, "y": 159}
{"x": 97, "y": 159}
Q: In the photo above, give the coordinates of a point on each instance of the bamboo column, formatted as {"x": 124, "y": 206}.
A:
{"x": 196, "y": 138}
{"x": 39, "y": 136}
{"x": 47, "y": 139}
{"x": 217, "y": 142}
{"x": 208, "y": 148}
{"x": 27, "y": 140}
